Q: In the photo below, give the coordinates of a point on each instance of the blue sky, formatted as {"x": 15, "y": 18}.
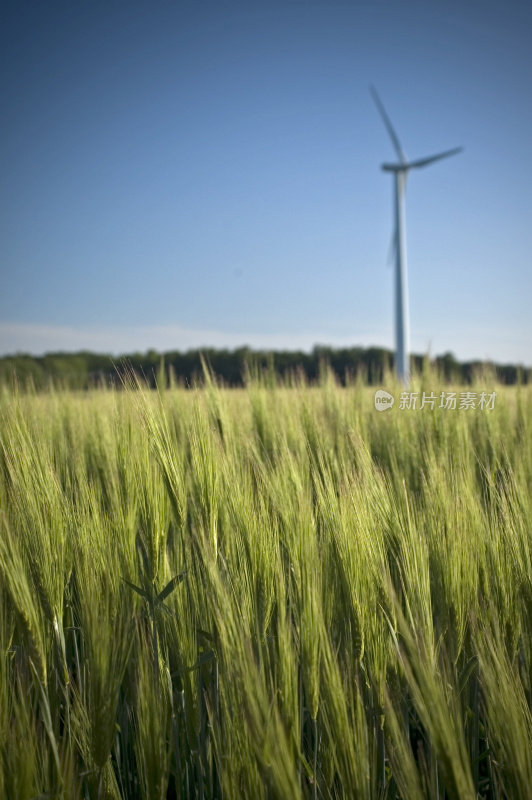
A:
{"x": 186, "y": 174}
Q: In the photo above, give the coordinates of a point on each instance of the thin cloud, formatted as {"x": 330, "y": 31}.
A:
{"x": 40, "y": 339}
{"x": 466, "y": 344}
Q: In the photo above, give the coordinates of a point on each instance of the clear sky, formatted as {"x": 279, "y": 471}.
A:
{"x": 178, "y": 174}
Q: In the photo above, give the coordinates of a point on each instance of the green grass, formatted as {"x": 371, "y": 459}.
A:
{"x": 274, "y": 592}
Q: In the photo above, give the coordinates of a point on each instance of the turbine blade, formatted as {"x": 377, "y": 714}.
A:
{"x": 423, "y": 162}
{"x": 389, "y": 127}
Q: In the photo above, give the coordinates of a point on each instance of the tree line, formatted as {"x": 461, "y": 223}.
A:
{"x": 84, "y": 370}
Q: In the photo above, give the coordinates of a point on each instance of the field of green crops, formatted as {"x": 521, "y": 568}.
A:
{"x": 273, "y": 592}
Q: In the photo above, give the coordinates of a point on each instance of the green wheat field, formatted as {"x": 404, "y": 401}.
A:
{"x": 268, "y": 592}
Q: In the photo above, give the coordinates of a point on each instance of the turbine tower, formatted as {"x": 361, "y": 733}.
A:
{"x": 400, "y": 171}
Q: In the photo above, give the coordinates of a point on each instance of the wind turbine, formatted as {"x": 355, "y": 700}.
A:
{"x": 400, "y": 171}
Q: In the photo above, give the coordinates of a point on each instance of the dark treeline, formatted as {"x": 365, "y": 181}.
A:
{"x": 84, "y": 369}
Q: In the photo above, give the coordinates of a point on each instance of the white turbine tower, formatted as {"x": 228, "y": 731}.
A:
{"x": 400, "y": 171}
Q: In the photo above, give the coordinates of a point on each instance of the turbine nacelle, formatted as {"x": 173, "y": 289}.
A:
{"x": 395, "y": 167}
